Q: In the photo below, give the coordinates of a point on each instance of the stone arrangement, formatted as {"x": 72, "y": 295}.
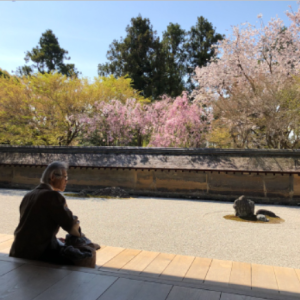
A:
{"x": 244, "y": 208}
{"x": 108, "y": 191}
{"x": 83, "y": 193}
{"x": 262, "y": 218}
{"x": 266, "y": 213}
{"x": 111, "y": 191}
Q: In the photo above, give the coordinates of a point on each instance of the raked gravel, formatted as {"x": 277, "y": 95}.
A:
{"x": 186, "y": 227}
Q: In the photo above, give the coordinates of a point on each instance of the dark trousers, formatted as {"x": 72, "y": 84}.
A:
{"x": 54, "y": 256}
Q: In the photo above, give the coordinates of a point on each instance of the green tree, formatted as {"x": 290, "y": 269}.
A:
{"x": 4, "y": 74}
{"x": 140, "y": 56}
{"x": 198, "y": 47}
{"x": 24, "y": 71}
{"x": 46, "y": 109}
{"x": 46, "y": 57}
{"x": 175, "y": 56}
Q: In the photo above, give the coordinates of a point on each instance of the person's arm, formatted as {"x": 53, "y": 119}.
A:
{"x": 75, "y": 229}
{"x": 58, "y": 210}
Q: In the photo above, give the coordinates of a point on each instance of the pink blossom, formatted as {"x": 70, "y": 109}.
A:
{"x": 165, "y": 123}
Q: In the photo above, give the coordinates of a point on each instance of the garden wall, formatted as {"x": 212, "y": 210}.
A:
{"x": 266, "y": 176}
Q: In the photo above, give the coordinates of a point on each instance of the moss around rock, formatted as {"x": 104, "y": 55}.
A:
{"x": 271, "y": 219}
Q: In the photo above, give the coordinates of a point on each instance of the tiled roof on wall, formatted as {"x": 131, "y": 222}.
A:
{"x": 155, "y": 158}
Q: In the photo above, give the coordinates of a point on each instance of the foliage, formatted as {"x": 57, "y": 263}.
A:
{"x": 40, "y": 110}
{"x": 4, "y": 74}
{"x": 219, "y": 136}
{"x": 58, "y": 100}
{"x": 158, "y": 68}
{"x": 199, "y": 47}
{"x": 114, "y": 123}
{"x": 175, "y": 56}
{"x": 179, "y": 123}
{"x": 252, "y": 85}
{"x": 109, "y": 88}
{"x": 45, "y": 109}
{"x": 15, "y": 112}
{"x": 48, "y": 56}
{"x": 166, "y": 123}
{"x": 138, "y": 55}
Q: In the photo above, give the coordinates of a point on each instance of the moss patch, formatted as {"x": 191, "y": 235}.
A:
{"x": 271, "y": 220}
{"x": 92, "y": 196}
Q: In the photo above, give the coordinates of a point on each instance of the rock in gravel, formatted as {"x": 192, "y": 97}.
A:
{"x": 111, "y": 191}
{"x": 243, "y": 207}
{"x": 266, "y": 213}
{"x": 262, "y": 218}
{"x": 82, "y": 193}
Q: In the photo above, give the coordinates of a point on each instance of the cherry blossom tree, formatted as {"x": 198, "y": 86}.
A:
{"x": 245, "y": 84}
{"x": 179, "y": 123}
{"x": 115, "y": 123}
{"x": 165, "y": 123}
{"x": 108, "y": 125}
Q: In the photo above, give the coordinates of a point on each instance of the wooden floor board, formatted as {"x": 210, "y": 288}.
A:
{"x": 5, "y": 251}
{"x": 158, "y": 265}
{"x": 120, "y": 260}
{"x": 6, "y": 244}
{"x": 101, "y": 248}
{"x": 219, "y": 272}
{"x": 198, "y": 270}
{"x": 227, "y": 296}
{"x": 5, "y": 237}
{"x": 106, "y": 254}
{"x": 177, "y": 268}
{"x": 28, "y": 281}
{"x": 5, "y": 247}
{"x": 263, "y": 279}
{"x": 298, "y": 273}
{"x": 6, "y": 267}
{"x": 78, "y": 286}
{"x": 128, "y": 289}
{"x": 183, "y": 293}
{"x": 240, "y": 275}
{"x": 287, "y": 280}
{"x": 139, "y": 263}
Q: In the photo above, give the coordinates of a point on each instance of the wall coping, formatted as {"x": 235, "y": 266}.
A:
{"x": 228, "y": 160}
{"x": 149, "y": 151}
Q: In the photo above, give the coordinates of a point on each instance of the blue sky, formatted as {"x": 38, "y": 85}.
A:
{"x": 87, "y": 28}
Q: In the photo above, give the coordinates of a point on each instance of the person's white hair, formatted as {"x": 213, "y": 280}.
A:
{"x": 54, "y": 169}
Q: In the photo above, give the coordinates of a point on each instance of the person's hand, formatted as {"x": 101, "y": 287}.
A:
{"x": 75, "y": 229}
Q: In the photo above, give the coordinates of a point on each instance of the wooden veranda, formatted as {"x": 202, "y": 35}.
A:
{"x": 129, "y": 274}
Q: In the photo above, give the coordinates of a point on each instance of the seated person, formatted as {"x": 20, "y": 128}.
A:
{"x": 42, "y": 212}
